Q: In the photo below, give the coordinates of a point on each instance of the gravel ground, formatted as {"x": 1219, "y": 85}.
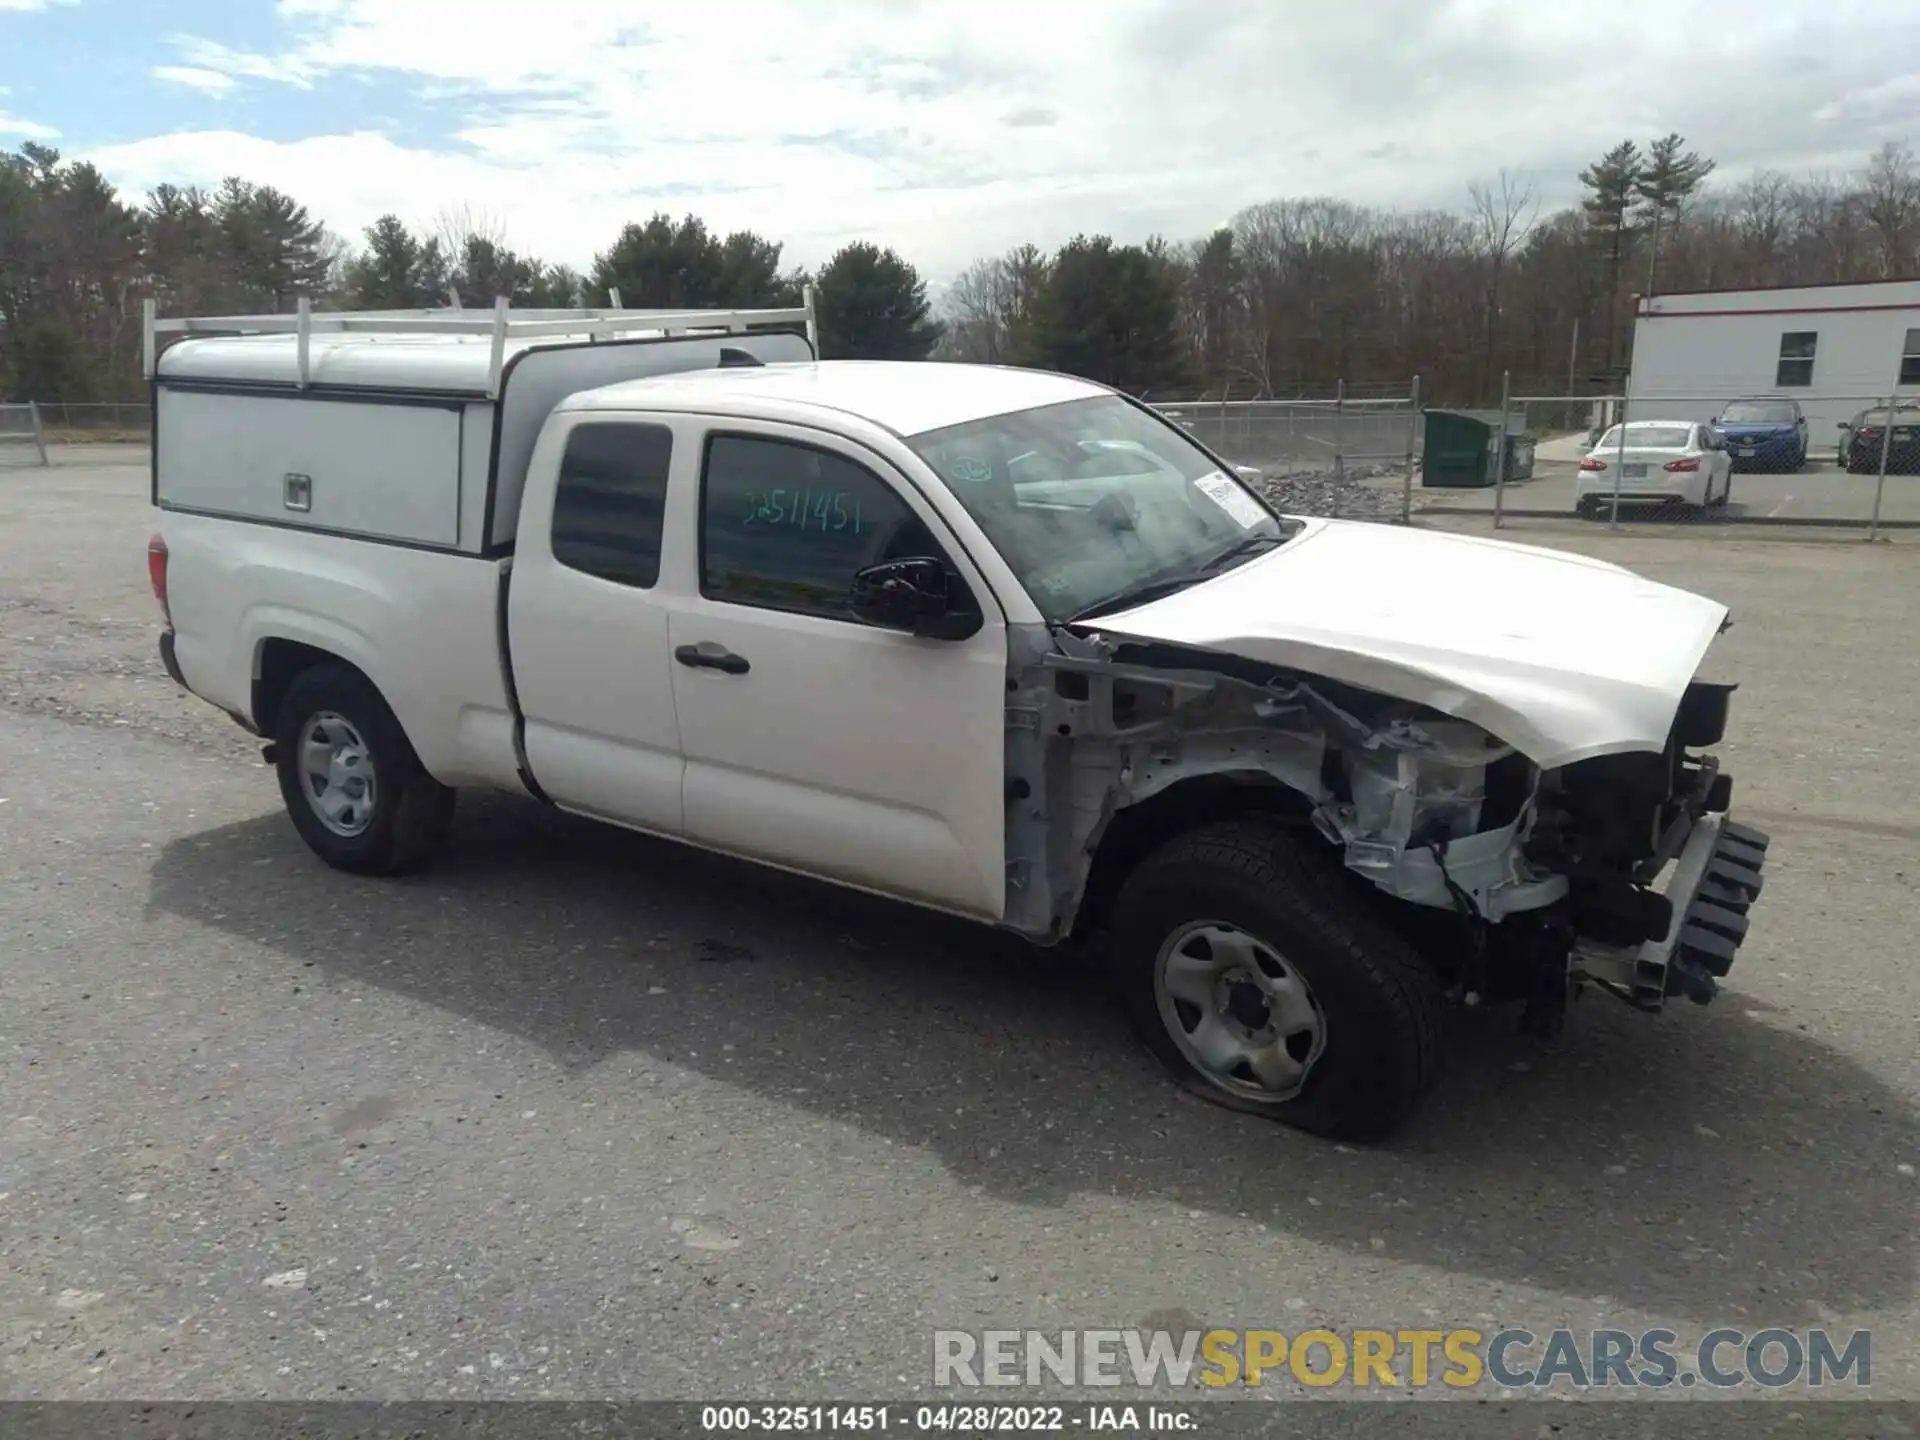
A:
{"x": 578, "y": 1114}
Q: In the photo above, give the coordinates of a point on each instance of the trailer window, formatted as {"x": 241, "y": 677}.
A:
{"x": 785, "y": 526}
{"x": 608, "y": 505}
{"x": 1796, "y": 357}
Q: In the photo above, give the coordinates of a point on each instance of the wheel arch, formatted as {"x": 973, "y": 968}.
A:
{"x": 1136, "y": 831}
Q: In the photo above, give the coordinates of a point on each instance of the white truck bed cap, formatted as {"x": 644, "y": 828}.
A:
{"x": 908, "y": 397}
{"x": 455, "y": 364}
{"x": 450, "y": 351}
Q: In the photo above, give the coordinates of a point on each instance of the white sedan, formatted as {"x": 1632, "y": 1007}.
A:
{"x": 1661, "y": 461}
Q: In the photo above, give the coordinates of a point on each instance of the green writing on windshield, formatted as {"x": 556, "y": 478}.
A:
{"x": 824, "y": 511}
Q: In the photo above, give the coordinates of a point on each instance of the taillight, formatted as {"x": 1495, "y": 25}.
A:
{"x": 157, "y": 573}
{"x": 1592, "y": 464}
{"x": 1688, "y": 464}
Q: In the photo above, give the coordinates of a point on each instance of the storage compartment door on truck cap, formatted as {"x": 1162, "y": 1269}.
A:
{"x": 386, "y": 468}
{"x": 540, "y": 377}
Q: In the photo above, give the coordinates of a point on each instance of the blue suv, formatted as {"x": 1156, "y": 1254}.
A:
{"x": 1769, "y": 433}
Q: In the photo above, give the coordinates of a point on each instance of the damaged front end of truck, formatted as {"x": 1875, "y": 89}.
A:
{"x": 1517, "y": 880}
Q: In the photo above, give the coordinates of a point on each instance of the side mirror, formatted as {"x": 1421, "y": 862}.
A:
{"x": 913, "y": 595}
{"x": 1843, "y": 425}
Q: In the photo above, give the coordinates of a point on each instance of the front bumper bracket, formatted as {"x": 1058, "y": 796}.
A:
{"x": 1715, "y": 880}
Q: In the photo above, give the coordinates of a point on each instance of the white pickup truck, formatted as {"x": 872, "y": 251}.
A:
{"x": 999, "y": 643}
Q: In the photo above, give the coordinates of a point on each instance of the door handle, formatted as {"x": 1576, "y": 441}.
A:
{"x": 711, "y": 655}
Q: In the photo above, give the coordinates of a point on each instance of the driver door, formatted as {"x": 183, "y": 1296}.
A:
{"x": 812, "y": 740}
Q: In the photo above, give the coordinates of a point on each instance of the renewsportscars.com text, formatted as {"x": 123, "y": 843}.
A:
{"x": 1512, "y": 1359}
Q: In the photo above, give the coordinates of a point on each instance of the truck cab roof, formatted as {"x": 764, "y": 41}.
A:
{"x": 907, "y": 397}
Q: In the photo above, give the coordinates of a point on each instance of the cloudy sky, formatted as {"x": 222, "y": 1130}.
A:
{"x": 947, "y": 128}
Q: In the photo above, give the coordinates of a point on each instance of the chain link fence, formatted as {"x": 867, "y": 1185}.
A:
{"x": 22, "y": 439}
{"x": 1360, "y": 453}
{"x": 1343, "y": 456}
{"x": 1812, "y": 459}
{"x": 75, "y": 422}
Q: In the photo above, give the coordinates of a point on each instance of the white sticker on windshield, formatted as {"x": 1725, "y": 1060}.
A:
{"x": 1232, "y": 498}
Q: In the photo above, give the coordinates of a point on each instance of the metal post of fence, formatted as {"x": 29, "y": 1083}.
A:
{"x": 1413, "y": 441}
{"x": 1500, "y": 451}
{"x": 1886, "y": 449}
{"x": 1339, "y": 439}
{"x": 1619, "y": 461}
{"x": 40, "y": 436}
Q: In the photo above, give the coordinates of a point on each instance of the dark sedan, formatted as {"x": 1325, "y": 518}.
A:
{"x": 1863, "y": 438}
{"x": 1764, "y": 434}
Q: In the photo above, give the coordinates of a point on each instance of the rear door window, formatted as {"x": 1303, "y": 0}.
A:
{"x": 610, "y": 499}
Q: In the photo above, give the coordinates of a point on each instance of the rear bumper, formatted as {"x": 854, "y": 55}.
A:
{"x": 171, "y": 662}
{"x": 1644, "y": 490}
{"x": 1712, "y": 885}
{"x": 1765, "y": 452}
{"x": 1902, "y": 458}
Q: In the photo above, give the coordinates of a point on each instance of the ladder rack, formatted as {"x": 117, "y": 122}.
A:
{"x": 501, "y": 324}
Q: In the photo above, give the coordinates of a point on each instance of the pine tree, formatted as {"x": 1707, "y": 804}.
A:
{"x": 872, "y": 305}
{"x": 1666, "y": 182}
{"x": 1612, "y": 182}
{"x": 386, "y": 276}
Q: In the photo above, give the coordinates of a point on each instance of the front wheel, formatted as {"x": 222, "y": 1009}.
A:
{"x": 1249, "y": 966}
{"x": 353, "y": 786}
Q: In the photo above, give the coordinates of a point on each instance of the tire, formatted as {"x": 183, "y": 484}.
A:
{"x": 1199, "y": 900}
{"x": 401, "y": 813}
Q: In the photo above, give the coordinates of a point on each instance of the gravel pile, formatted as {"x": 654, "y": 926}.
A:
{"x": 1318, "y": 492}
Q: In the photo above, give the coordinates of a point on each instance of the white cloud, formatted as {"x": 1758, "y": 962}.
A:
{"x": 1897, "y": 99}
{"x": 209, "y": 82}
{"x": 33, "y": 4}
{"x": 214, "y": 58}
{"x": 25, "y": 129}
{"x": 955, "y": 131}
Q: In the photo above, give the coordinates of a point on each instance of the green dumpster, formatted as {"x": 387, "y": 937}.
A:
{"x": 1458, "y": 452}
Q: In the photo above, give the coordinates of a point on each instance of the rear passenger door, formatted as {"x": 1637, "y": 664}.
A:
{"x": 588, "y": 627}
{"x": 813, "y": 740}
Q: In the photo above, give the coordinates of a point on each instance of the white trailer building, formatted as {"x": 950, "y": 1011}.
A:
{"x": 1833, "y": 348}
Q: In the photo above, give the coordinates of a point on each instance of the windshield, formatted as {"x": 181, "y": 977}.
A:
{"x": 1757, "y": 412}
{"x": 1091, "y": 500}
{"x": 1648, "y": 437}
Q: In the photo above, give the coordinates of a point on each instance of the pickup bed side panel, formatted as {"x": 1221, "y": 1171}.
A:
{"x": 420, "y": 623}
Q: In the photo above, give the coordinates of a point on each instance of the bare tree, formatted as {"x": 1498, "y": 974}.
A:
{"x": 1503, "y": 212}
{"x": 465, "y": 232}
{"x": 976, "y": 313}
{"x": 1890, "y": 197}
{"x": 1760, "y": 216}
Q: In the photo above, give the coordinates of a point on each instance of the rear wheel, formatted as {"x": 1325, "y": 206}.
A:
{"x": 1248, "y": 965}
{"x": 353, "y": 786}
